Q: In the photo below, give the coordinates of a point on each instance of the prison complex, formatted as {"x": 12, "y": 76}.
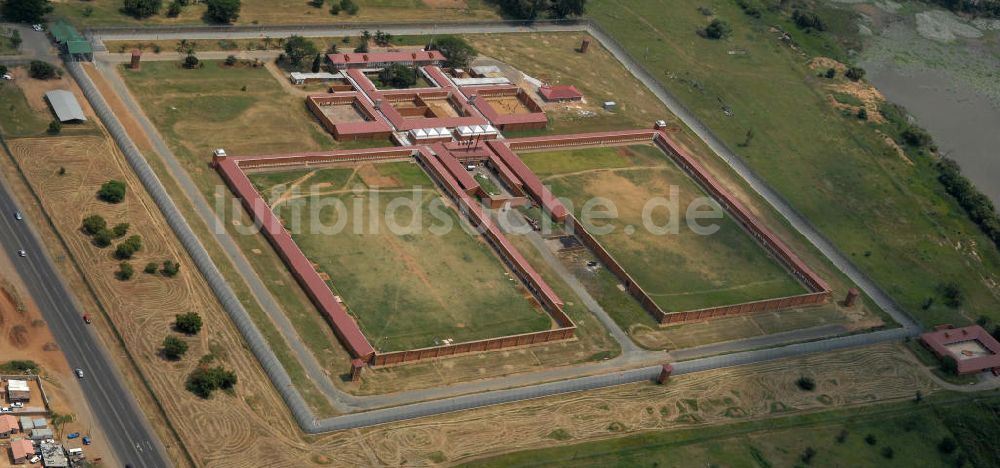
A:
{"x": 447, "y": 127}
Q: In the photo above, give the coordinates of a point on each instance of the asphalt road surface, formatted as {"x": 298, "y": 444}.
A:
{"x": 114, "y": 408}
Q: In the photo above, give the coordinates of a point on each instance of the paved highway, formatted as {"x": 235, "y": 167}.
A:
{"x": 114, "y": 408}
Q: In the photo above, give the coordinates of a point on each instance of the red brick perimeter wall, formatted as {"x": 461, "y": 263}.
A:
{"x": 819, "y": 291}
{"x": 344, "y": 326}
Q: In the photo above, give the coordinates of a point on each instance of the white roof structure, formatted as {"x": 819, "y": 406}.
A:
{"x": 64, "y": 104}
{"x": 299, "y": 76}
{"x": 426, "y": 133}
{"x": 476, "y": 130}
{"x": 17, "y": 385}
{"x": 485, "y": 70}
{"x": 481, "y": 81}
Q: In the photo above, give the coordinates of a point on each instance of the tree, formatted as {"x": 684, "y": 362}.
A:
{"x": 150, "y": 268}
{"x": 93, "y": 224}
{"x": 191, "y": 61}
{"x": 334, "y": 8}
{"x": 298, "y": 48}
{"x": 947, "y": 446}
{"x": 120, "y": 230}
{"x": 523, "y": 9}
{"x": 231, "y": 60}
{"x": 808, "y": 21}
{"x": 170, "y": 268}
{"x": 806, "y": 383}
{"x": 174, "y": 348}
{"x": 112, "y": 191}
{"x": 3, "y": 69}
{"x": 916, "y": 137}
{"x": 142, "y": 8}
{"x": 888, "y": 452}
{"x": 40, "y": 70}
{"x": 204, "y": 380}
{"x": 59, "y": 420}
{"x": 870, "y": 439}
{"x": 350, "y": 7}
{"x": 717, "y": 29}
{"x": 564, "y": 8}
{"x": 949, "y": 365}
{"x": 855, "y": 73}
{"x": 831, "y": 72}
{"x": 223, "y": 11}
{"x": 55, "y": 126}
{"x": 174, "y": 9}
{"x": 952, "y": 294}
{"x": 103, "y": 238}
{"x": 398, "y": 76}
{"x": 25, "y": 11}
{"x": 317, "y": 63}
{"x": 807, "y": 455}
{"x": 457, "y": 52}
{"x": 128, "y": 248}
{"x": 125, "y": 271}
{"x": 188, "y": 324}
{"x": 317, "y": 3}
{"x": 863, "y": 113}
{"x": 841, "y": 436}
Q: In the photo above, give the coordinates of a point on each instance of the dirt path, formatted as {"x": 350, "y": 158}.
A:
{"x": 592, "y": 171}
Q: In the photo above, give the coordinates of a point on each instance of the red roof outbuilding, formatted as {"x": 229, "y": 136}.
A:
{"x": 560, "y": 93}
{"x": 939, "y": 341}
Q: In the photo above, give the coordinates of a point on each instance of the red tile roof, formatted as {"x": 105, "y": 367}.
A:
{"x": 8, "y": 423}
{"x": 559, "y": 92}
{"x": 939, "y": 340}
{"x": 21, "y": 448}
{"x": 358, "y": 58}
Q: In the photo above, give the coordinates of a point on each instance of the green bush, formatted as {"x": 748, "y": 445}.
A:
{"x": 223, "y": 11}
{"x": 188, "y": 324}
{"x": 457, "y": 52}
{"x": 112, "y": 191}
{"x": 19, "y": 367}
{"x": 120, "y": 230}
{"x": 55, "y": 127}
{"x": 205, "y": 380}
{"x": 127, "y": 248}
{"x": 93, "y": 224}
{"x": 103, "y": 238}
{"x": 718, "y": 29}
{"x": 150, "y": 268}
{"x": 174, "y": 348}
{"x": 125, "y": 271}
{"x": 170, "y": 268}
{"x": 142, "y": 8}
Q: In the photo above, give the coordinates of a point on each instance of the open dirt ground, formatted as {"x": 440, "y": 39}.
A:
{"x": 25, "y": 336}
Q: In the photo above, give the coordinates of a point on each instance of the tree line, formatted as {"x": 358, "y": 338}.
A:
{"x": 534, "y": 9}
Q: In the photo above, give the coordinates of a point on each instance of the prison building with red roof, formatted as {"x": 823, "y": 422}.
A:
{"x": 363, "y": 60}
{"x": 973, "y": 348}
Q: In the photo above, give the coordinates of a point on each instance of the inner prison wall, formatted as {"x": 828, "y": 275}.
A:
{"x": 819, "y": 291}
{"x": 345, "y": 328}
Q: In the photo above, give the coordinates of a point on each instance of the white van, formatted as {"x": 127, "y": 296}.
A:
{"x": 75, "y": 451}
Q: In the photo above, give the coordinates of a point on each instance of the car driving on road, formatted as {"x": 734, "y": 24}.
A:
{"x": 18, "y": 216}
{"x": 79, "y": 373}
{"x": 22, "y": 253}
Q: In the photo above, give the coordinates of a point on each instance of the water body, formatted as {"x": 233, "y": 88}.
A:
{"x": 965, "y": 124}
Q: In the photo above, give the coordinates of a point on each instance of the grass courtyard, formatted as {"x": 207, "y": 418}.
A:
{"x": 680, "y": 270}
{"x": 407, "y": 290}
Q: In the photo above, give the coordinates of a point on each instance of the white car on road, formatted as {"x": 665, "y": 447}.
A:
{"x": 22, "y": 253}
{"x": 36, "y": 27}
{"x": 79, "y": 373}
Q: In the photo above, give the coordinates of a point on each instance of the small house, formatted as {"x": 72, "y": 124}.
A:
{"x": 17, "y": 390}
{"x": 21, "y": 450}
{"x": 8, "y": 425}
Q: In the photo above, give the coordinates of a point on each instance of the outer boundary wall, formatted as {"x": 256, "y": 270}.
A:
{"x": 819, "y": 291}
{"x": 344, "y": 326}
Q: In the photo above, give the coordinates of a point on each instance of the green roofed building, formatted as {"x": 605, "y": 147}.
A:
{"x": 70, "y": 41}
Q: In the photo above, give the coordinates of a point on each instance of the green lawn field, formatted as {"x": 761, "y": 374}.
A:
{"x": 409, "y": 289}
{"x": 892, "y": 218}
{"x": 680, "y": 271}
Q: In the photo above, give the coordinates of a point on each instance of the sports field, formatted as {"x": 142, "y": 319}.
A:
{"x": 411, "y": 288}
{"x": 680, "y": 271}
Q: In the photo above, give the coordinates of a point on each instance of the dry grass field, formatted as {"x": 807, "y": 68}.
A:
{"x": 143, "y": 308}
